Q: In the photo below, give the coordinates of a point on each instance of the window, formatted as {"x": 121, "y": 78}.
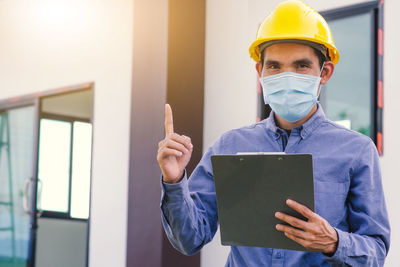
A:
{"x": 64, "y": 167}
{"x": 54, "y": 164}
{"x": 80, "y": 179}
{"x": 347, "y": 98}
{"x": 353, "y": 96}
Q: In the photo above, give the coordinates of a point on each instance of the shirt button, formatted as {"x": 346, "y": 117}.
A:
{"x": 278, "y": 255}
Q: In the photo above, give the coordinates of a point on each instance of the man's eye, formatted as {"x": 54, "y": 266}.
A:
{"x": 272, "y": 67}
{"x": 303, "y": 66}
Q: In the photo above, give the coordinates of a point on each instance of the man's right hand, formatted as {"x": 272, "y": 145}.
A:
{"x": 174, "y": 151}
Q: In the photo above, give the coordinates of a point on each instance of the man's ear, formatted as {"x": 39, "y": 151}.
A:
{"x": 327, "y": 71}
{"x": 259, "y": 69}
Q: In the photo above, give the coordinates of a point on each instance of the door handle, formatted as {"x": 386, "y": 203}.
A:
{"x": 25, "y": 200}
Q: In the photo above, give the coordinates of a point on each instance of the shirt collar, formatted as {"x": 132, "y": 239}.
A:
{"x": 305, "y": 129}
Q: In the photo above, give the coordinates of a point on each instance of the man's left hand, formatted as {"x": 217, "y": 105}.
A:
{"x": 316, "y": 234}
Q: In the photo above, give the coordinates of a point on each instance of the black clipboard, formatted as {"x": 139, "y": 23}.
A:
{"x": 250, "y": 188}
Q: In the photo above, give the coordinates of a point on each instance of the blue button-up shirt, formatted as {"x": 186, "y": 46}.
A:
{"x": 347, "y": 187}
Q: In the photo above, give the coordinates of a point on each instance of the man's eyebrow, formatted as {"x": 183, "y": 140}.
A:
{"x": 272, "y": 62}
{"x": 302, "y": 61}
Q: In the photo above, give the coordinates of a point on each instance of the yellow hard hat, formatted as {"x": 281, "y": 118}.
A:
{"x": 294, "y": 20}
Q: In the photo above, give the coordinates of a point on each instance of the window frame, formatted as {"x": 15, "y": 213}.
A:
{"x": 70, "y": 119}
{"x": 376, "y": 106}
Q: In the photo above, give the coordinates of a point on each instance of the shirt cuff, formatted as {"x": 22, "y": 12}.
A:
{"x": 171, "y": 196}
{"x": 172, "y": 193}
{"x": 342, "y": 247}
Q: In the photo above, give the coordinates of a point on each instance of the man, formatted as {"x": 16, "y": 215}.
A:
{"x": 295, "y": 54}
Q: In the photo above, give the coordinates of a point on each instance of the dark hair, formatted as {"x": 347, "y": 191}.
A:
{"x": 321, "y": 57}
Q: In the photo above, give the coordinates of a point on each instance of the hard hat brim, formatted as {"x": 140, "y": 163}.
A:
{"x": 254, "y": 48}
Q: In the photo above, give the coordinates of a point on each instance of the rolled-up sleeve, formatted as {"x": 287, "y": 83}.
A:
{"x": 366, "y": 243}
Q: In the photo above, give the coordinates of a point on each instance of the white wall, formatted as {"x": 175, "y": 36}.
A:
{"x": 47, "y": 44}
{"x": 230, "y": 91}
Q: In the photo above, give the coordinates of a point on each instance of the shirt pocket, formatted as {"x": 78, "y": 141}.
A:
{"x": 330, "y": 200}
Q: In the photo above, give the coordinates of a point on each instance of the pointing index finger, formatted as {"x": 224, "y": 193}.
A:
{"x": 169, "y": 124}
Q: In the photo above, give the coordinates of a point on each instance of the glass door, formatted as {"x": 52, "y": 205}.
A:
{"x": 18, "y": 168}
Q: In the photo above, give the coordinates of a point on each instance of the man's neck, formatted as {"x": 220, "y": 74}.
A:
{"x": 287, "y": 125}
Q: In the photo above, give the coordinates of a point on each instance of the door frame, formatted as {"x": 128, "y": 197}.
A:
{"x": 35, "y": 100}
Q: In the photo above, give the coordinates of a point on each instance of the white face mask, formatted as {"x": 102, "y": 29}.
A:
{"x": 291, "y": 95}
